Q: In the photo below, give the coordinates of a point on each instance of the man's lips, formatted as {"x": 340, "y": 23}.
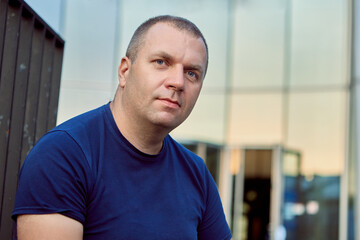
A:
{"x": 170, "y": 102}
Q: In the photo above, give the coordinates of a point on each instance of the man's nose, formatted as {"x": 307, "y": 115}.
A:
{"x": 176, "y": 78}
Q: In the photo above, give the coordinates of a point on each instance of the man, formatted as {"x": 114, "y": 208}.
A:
{"x": 114, "y": 172}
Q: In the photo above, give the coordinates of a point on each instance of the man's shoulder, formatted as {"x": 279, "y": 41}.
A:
{"x": 82, "y": 130}
{"x": 185, "y": 154}
{"x": 174, "y": 144}
{"x": 83, "y": 121}
{"x": 73, "y": 138}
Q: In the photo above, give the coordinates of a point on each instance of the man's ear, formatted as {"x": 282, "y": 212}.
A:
{"x": 123, "y": 71}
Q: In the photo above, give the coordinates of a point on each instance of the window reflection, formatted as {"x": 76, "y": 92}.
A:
{"x": 313, "y": 211}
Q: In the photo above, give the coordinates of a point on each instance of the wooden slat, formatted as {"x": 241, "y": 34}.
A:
{"x": 3, "y": 14}
{"x": 45, "y": 81}
{"x": 55, "y": 85}
{"x": 32, "y": 97}
{"x": 17, "y": 120}
{"x": 6, "y": 84}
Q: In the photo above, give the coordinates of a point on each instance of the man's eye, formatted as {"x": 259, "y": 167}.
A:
{"x": 192, "y": 74}
{"x": 160, "y": 62}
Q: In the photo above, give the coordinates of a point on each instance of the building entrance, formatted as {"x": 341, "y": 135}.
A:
{"x": 260, "y": 195}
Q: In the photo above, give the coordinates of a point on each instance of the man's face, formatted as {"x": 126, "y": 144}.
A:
{"x": 162, "y": 85}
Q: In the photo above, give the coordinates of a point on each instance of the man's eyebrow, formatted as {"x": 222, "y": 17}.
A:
{"x": 194, "y": 67}
{"x": 163, "y": 55}
{"x": 167, "y": 56}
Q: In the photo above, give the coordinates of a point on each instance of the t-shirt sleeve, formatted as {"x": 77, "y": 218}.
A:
{"x": 53, "y": 179}
{"x": 213, "y": 225}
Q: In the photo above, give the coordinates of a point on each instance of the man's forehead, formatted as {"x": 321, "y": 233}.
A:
{"x": 165, "y": 31}
{"x": 165, "y": 27}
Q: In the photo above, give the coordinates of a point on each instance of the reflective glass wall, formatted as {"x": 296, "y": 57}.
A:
{"x": 290, "y": 79}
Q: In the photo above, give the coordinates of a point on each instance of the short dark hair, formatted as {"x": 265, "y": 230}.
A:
{"x": 180, "y": 23}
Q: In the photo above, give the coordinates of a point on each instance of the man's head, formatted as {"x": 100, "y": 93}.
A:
{"x": 180, "y": 23}
{"x": 161, "y": 77}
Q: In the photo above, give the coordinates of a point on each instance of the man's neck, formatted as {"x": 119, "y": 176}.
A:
{"x": 147, "y": 139}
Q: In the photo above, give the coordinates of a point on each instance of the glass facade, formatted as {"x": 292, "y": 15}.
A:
{"x": 288, "y": 84}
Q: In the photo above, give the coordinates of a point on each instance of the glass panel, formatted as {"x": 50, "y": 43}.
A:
{"x": 255, "y": 200}
{"x": 258, "y": 44}
{"x": 317, "y": 127}
{"x": 90, "y": 41}
{"x": 319, "y": 52}
{"x": 255, "y": 119}
{"x": 310, "y": 207}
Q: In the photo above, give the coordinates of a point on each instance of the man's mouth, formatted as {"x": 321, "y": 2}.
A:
{"x": 172, "y": 103}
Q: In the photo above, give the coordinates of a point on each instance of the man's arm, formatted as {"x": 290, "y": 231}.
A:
{"x": 48, "y": 226}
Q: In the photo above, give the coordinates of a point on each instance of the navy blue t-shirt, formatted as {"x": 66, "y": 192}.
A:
{"x": 85, "y": 169}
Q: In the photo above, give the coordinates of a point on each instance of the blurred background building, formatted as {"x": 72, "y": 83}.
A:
{"x": 277, "y": 121}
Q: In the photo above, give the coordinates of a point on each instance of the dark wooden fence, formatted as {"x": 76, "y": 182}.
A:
{"x": 30, "y": 69}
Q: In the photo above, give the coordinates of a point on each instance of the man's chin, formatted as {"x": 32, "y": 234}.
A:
{"x": 168, "y": 124}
